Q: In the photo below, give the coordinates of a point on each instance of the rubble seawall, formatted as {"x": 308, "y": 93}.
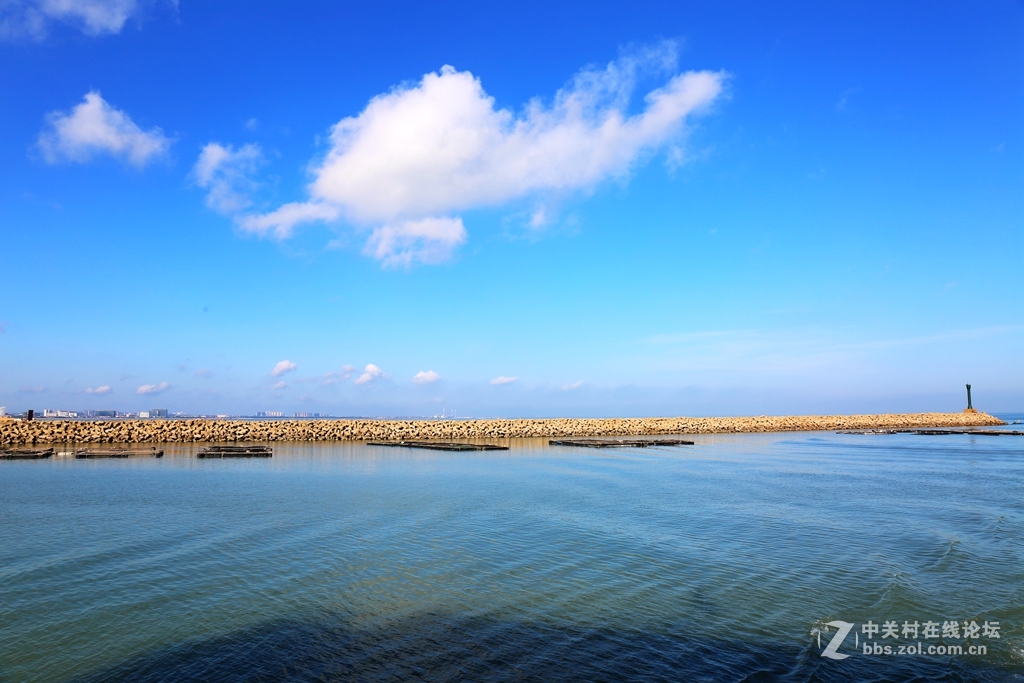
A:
{"x": 19, "y": 432}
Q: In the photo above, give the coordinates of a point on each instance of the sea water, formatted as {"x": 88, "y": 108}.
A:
{"x": 741, "y": 557}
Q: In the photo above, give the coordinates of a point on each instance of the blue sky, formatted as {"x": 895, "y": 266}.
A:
{"x": 511, "y": 208}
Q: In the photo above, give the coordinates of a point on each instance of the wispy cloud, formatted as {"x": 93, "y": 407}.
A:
{"x": 94, "y": 128}
{"x": 33, "y": 390}
{"x": 203, "y": 372}
{"x": 819, "y": 338}
{"x": 803, "y": 352}
{"x": 498, "y": 381}
{"x": 570, "y": 387}
{"x": 227, "y": 176}
{"x": 845, "y": 99}
{"x": 153, "y": 388}
{"x": 105, "y": 389}
{"x": 688, "y": 337}
{"x": 370, "y": 373}
{"x": 282, "y": 221}
{"x": 33, "y": 18}
{"x": 283, "y": 368}
{"x": 278, "y": 385}
{"x": 428, "y": 240}
{"x": 417, "y": 155}
{"x": 916, "y": 340}
{"x": 335, "y": 377}
{"x": 425, "y": 377}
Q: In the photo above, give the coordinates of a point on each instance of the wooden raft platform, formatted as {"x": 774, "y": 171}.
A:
{"x": 236, "y": 452}
{"x": 619, "y": 443}
{"x": 26, "y": 454}
{"x": 939, "y": 432}
{"x": 441, "y": 445}
{"x": 118, "y": 453}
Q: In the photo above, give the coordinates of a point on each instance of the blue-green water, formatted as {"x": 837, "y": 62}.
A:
{"x": 350, "y": 562}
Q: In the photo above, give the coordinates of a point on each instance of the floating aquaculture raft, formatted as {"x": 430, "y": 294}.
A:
{"x": 26, "y": 454}
{"x": 939, "y": 432}
{"x": 441, "y": 446}
{"x": 236, "y": 452}
{"x": 118, "y": 453}
{"x": 619, "y": 443}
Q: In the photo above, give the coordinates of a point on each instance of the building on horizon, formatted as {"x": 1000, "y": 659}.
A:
{"x": 59, "y": 413}
{"x": 158, "y": 412}
{"x": 3, "y": 411}
{"x": 270, "y": 413}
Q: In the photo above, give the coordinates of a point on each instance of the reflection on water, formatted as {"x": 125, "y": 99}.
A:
{"x": 331, "y": 562}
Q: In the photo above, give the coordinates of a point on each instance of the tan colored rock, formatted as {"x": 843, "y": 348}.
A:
{"x": 15, "y": 432}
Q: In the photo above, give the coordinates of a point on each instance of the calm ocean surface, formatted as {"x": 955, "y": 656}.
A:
{"x": 719, "y": 561}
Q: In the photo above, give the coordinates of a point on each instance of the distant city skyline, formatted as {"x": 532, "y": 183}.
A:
{"x": 549, "y": 210}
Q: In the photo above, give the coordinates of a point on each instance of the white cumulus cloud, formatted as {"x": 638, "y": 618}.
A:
{"x": 498, "y": 381}
{"x": 425, "y": 377}
{"x": 283, "y": 368}
{"x": 419, "y": 154}
{"x": 94, "y": 127}
{"x": 33, "y": 18}
{"x": 153, "y": 388}
{"x": 105, "y": 389}
{"x": 370, "y": 373}
{"x": 226, "y": 174}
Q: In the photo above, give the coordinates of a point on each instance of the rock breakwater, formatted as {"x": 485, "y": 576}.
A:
{"x": 190, "y": 431}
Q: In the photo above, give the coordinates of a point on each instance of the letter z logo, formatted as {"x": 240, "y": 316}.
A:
{"x": 832, "y": 651}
